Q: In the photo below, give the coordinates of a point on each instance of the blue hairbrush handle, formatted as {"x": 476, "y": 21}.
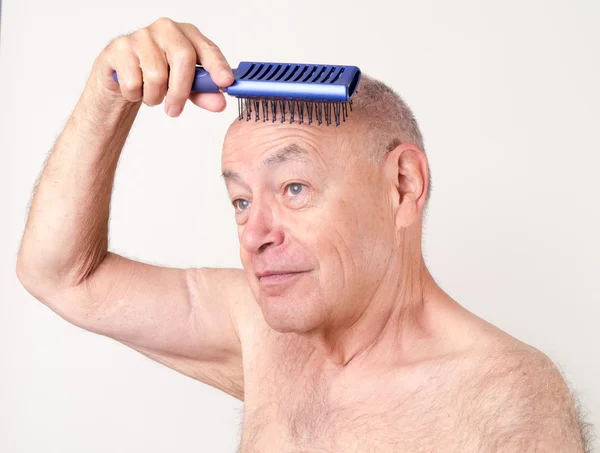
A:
{"x": 202, "y": 82}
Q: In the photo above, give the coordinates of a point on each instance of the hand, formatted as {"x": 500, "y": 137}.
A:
{"x": 158, "y": 61}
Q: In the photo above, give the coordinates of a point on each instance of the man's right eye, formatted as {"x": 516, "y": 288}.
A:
{"x": 240, "y": 204}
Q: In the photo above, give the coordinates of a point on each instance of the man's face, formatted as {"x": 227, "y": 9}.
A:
{"x": 309, "y": 205}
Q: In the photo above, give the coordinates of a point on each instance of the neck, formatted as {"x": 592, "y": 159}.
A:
{"x": 393, "y": 323}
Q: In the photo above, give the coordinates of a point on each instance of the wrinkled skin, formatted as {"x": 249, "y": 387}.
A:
{"x": 350, "y": 228}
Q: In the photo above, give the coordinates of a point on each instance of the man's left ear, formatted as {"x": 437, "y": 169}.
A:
{"x": 406, "y": 169}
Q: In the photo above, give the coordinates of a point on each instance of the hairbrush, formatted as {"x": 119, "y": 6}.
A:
{"x": 292, "y": 90}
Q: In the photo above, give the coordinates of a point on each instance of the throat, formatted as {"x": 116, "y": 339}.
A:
{"x": 374, "y": 336}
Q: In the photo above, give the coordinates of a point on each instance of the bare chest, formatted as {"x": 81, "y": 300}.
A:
{"x": 291, "y": 408}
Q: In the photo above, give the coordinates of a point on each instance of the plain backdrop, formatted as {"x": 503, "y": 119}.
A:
{"x": 508, "y": 99}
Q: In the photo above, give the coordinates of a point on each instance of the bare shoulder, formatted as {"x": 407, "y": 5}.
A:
{"x": 511, "y": 393}
{"x": 246, "y": 314}
{"x": 522, "y": 403}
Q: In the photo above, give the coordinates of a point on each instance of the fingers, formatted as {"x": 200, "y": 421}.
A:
{"x": 125, "y": 62}
{"x": 209, "y": 55}
{"x": 182, "y": 59}
{"x": 214, "y": 102}
{"x": 153, "y": 64}
{"x": 158, "y": 63}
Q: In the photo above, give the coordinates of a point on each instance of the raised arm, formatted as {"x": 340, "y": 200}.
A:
{"x": 179, "y": 317}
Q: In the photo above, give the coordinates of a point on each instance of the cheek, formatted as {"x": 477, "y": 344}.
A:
{"x": 363, "y": 231}
{"x": 333, "y": 236}
{"x": 245, "y": 258}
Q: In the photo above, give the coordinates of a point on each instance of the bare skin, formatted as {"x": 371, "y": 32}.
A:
{"x": 383, "y": 359}
{"x": 335, "y": 335}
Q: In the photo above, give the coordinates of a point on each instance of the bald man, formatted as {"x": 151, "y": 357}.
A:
{"x": 335, "y": 335}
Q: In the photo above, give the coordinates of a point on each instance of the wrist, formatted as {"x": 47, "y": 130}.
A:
{"x": 104, "y": 101}
{"x": 100, "y": 110}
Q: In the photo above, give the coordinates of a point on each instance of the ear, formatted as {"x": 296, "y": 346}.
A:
{"x": 405, "y": 168}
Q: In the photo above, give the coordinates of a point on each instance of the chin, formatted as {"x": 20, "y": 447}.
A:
{"x": 291, "y": 305}
{"x": 290, "y": 314}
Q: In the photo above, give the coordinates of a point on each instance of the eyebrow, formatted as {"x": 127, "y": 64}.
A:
{"x": 290, "y": 153}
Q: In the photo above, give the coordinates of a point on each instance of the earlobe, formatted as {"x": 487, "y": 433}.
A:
{"x": 406, "y": 213}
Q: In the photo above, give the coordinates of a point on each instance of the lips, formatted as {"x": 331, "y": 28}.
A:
{"x": 275, "y": 281}
{"x": 277, "y": 273}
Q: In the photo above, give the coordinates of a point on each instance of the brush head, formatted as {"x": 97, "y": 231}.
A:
{"x": 291, "y": 110}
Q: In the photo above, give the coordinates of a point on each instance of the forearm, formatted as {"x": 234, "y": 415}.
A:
{"x": 66, "y": 235}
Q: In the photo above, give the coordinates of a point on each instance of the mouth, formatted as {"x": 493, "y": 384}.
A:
{"x": 274, "y": 278}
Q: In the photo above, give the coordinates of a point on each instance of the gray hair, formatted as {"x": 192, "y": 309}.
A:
{"x": 388, "y": 120}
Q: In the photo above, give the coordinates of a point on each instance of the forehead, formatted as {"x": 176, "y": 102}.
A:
{"x": 249, "y": 144}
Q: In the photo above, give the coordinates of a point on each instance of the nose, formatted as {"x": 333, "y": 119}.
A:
{"x": 260, "y": 230}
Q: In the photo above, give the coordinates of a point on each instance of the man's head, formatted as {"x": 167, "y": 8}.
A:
{"x": 340, "y": 207}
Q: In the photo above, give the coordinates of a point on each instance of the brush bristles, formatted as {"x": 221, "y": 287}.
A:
{"x": 327, "y": 112}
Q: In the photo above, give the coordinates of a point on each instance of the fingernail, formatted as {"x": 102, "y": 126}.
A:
{"x": 173, "y": 111}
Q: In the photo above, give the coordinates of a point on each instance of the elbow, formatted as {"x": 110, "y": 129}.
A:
{"x": 38, "y": 279}
{"x": 24, "y": 271}
{"x": 67, "y": 301}
{"x": 49, "y": 264}
{"x": 46, "y": 275}
{"x": 30, "y": 277}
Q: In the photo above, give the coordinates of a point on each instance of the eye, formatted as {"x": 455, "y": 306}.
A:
{"x": 240, "y": 204}
{"x": 294, "y": 188}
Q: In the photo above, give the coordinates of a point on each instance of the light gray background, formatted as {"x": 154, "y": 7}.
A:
{"x": 508, "y": 99}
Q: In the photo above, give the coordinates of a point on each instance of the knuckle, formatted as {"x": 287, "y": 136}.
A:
{"x": 164, "y": 22}
{"x": 142, "y": 33}
{"x": 131, "y": 86}
{"x": 121, "y": 43}
{"x": 190, "y": 26}
{"x": 155, "y": 76}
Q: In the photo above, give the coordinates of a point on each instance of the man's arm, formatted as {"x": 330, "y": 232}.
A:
{"x": 175, "y": 316}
